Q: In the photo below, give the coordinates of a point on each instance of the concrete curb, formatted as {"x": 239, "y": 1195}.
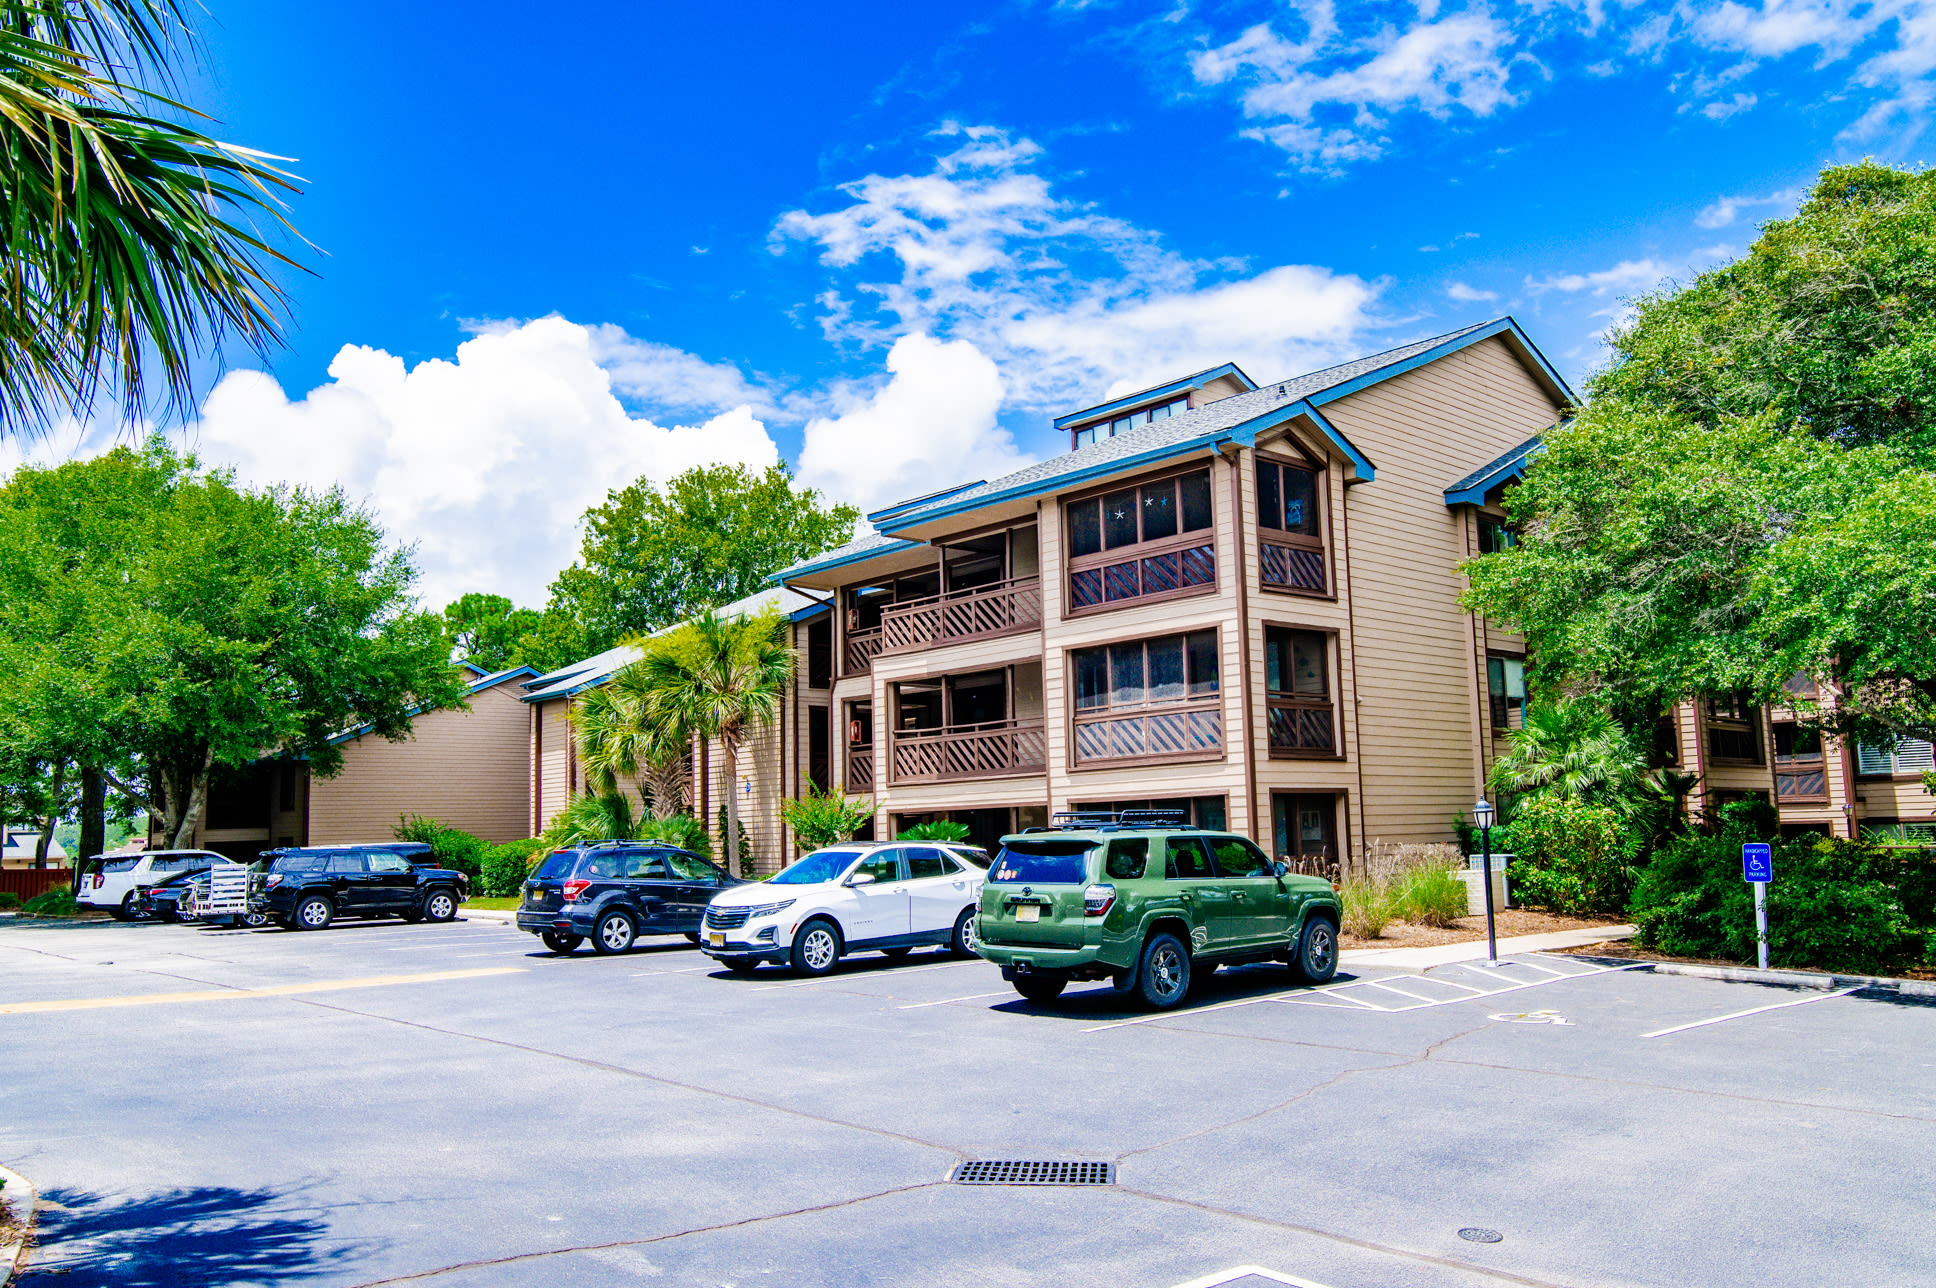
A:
{"x": 507, "y": 916}
{"x": 1473, "y": 950}
{"x": 20, "y": 1192}
{"x": 1796, "y": 978}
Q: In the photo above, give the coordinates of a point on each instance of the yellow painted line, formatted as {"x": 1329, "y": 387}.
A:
{"x": 231, "y": 994}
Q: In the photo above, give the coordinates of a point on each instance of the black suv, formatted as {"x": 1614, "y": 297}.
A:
{"x": 307, "y": 888}
{"x": 611, "y": 892}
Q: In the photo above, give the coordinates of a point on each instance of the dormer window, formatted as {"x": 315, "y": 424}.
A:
{"x": 1123, "y": 424}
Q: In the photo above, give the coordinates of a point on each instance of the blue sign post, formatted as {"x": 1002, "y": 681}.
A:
{"x": 1758, "y": 868}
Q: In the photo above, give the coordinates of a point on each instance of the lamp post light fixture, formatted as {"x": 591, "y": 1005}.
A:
{"x": 1482, "y": 814}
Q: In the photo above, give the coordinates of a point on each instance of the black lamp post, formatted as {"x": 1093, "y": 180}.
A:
{"x": 1482, "y": 815}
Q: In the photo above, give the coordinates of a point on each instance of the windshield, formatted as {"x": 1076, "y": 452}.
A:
{"x": 1044, "y": 862}
{"x": 817, "y": 868}
{"x": 557, "y": 864}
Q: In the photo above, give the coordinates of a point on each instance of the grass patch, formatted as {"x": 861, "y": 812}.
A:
{"x": 492, "y": 905}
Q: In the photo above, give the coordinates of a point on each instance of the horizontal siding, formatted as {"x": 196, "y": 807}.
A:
{"x": 467, "y": 768}
{"x": 1414, "y": 656}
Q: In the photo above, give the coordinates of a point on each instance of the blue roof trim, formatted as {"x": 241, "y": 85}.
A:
{"x": 1472, "y": 489}
{"x": 931, "y": 497}
{"x": 1360, "y": 463}
{"x": 1189, "y": 384}
{"x": 851, "y": 557}
{"x": 1464, "y": 340}
{"x": 811, "y": 610}
{"x": 1102, "y": 469}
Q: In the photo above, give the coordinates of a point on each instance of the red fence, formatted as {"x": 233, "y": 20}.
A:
{"x": 28, "y": 882}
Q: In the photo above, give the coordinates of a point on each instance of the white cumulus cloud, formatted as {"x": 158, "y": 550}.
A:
{"x": 1069, "y": 303}
{"x": 485, "y": 462}
{"x": 1469, "y": 294}
{"x": 1627, "y": 276}
{"x": 931, "y": 425}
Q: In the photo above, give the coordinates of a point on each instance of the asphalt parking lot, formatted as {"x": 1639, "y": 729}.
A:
{"x": 449, "y": 1105}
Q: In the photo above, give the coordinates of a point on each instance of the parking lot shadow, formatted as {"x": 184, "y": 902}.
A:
{"x": 1236, "y": 984}
{"x": 189, "y": 1238}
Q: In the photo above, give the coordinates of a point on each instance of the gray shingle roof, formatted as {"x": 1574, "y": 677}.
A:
{"x": 853, "y": 552}
{"x": 1492, "y": 473}
{"x": 1206, "y": 422}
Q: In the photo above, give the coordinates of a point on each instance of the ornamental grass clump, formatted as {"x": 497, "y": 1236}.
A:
{"x": 1429, "y": 894}
{"x": 1367, "y": 906}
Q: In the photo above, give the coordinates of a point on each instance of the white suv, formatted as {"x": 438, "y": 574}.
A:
{"x": 889, "y": 897}
{"x": 113, "y": 883}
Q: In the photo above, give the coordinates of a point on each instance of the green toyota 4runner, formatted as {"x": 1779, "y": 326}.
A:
{"x": 1143, "y": 904}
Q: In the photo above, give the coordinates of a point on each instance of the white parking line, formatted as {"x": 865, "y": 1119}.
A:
{"x": 1753, "y": 1010}
{"x": 1247, "y": 1272}
{"x": 890, "y": 973}
{"x": 915, "y": 1006}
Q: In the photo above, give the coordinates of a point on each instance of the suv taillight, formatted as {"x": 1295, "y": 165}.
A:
{"x": 575, "y": 887}
{"x": 271, "y": 881}
{"x": 1097, "y": 900}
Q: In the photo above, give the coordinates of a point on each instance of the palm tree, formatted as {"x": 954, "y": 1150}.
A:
{"x": 621, "y": 738}
{"x": 1576, "y": 748}
{"x": 720, "y": 677}
{"x": 124, "y": 237}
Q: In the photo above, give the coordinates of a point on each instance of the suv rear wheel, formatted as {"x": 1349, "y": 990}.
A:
{"x": 559, "y": 942}
{"x": 962, "y": 944}
{"x": 1163, "y": 973}
{"x": 614, "y": 933}
{"x": 816, "y": 948}
{"x": 314, "y": 913}
{"x": 1317, "y": 952}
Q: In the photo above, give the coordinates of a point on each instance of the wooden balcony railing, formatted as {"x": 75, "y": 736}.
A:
{"x": 1800, "y": 778}
{"x": 963, "y": 615}
{"x": 858, "y": 656}
{"x": 1291, "y": 567}
{"x": 972, "y": 751}
{"x": 860, "y": 769}
{"x": 1185, "y": 731}
{"x": 1301, "y": 729}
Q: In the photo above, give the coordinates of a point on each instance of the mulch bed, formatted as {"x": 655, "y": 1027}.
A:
{"x": 1507, "y": 922}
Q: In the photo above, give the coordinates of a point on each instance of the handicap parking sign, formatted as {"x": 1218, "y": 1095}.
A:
{"x": 1757, "y": 862}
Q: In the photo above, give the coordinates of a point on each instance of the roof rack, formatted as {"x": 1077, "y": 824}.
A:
{"x": 1116, "y": 821}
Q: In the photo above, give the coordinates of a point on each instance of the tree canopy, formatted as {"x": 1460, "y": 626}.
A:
{"x": 1750, "y": 491}
{"x": 653, "y": 556}
{"x": 157, "y": 621}
{"x": 485, "y": 629}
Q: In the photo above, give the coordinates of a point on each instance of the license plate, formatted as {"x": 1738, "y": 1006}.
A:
{"x": 716, "y": 938}
{"x": 1028, "y": 912}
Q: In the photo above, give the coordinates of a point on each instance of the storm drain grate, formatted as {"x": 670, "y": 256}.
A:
{"x": 1033, "y": 1171}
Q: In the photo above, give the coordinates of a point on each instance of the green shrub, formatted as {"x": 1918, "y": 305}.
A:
{"x": 1834, "y": 904}
{"x": 1367, "y": 907}
{"x": 684, "y": 831}
{"x": 53, "y": 903}
{"x": 940, "y": 830}
{"x": 820, "y": 819}
{"x": 1428, "y": 895}
{"x": 1569, "y": 856}
{"x": 453, "y": 848}
{"x": 8, "y": 899}
{"x": 506, "y": 866}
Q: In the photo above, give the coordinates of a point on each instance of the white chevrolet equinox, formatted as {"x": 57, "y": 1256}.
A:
{"x": 888, "y": 897}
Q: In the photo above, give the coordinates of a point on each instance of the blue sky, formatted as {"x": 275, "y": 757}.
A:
{"x": 888, "y": 242}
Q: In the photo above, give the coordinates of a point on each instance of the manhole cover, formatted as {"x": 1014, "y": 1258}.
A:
{"x": 1473, "y": 1234}
{"x": 1012, "y": 1171}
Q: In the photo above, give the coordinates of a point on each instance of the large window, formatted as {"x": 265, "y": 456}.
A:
{"x": 1148, "y": 698}
{"x": 1506, "y": 692}
{"x": 1291, "y": 549}
{"x": 1495, "y": 535}
{"x": 1800, "y": 771}
{"x": 1733, "y": 729}
{"x": 1123, "y": 424}
{"x": 1297, "y": 685}
{"x": 1142, "y": 541}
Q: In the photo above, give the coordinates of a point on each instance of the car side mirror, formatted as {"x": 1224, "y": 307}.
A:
{"x": 861, "y": 879}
